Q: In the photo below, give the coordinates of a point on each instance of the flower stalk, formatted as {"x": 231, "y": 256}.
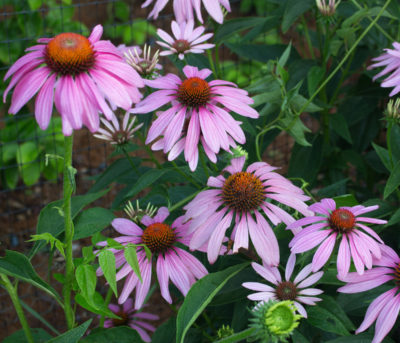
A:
{"x": 68, "y": 188}
{"x": 12, "y": 291}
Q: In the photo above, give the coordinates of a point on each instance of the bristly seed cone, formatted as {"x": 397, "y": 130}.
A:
{"x": 342, "y": 220}
{"x": 243, "y": 191}
{"x": 194, "y": 92}
{"x": 181, "y": 45}
{"x": 286, "y": 290}
{"x": 397, "y": 274}
{"x": 69, "y": 54}
{"x": 158, "y": 237}
{"x": 124, "y": 319}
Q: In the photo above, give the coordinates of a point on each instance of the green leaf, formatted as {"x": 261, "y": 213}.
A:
{"x": 131, "y": 257}
{"x": 98, "y": 305}
{"x": 360, "y": 338}
{"x": 86, "y": 279}
{"x": 383, "y": 155}
{"x": 28, "y": 152}
{"x": 72, "y": 336}
{"x": 165, "y": 332}
{"x": 339, "y": 125}
{"x": 325, "y": 320}
{"x": 49, "y": 238}
{"x": 297, "y": 130}
{"x": 39, "y": 317}
{"x": 121, "y": 334}
{"x": 258, "y": 52}
{"x": 331, "y": 305}
{"x": 395, "y": 218}
{"x": 30, "y": 173}
{"x": 39, "y": 336}
{"x": 145, "y": 180}
{"x": 12, "y": 175}
{"x": 293, "y": 10}
{"x": 107, "y": 264}
{"x": 17, "y": 265}
{"x": 230, "y": 27}
{"x": 238, "y": 337}
{"x": 115, "y": 172}
{"x": 285, "y": 56}
{"x": 51, "y": 220}
{"x": 393, "y": 182}
{"x": 298, "y": 101}
{"x": 314, "y": 78}
{"x": 200, "y": 295}
{"x": 345, "y": 200}
{"x": 91, "y": 221}
{"x": 395, "y": 142}
{"x": 34, "y": 4}
{"x": 299, "y": 338}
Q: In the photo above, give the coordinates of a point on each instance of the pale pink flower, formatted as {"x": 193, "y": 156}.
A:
{"x": 385, "y": 308}
{"x": 195, "y": 115}
{"x": 187, "y": 39}
{"x": 79, "y": 74}
{"x": 391, "y": 61}
{"x": 357, "y": 241}
{"x": 131, "y": 317}
{"x": 296, "y": 290}
{"x": 184, "y": 9}
{"x": 172, "y": 262}
{"x": 240, "y": 200}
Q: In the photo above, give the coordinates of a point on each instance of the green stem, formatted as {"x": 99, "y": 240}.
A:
{"x": 238, "y": 337}
{"x": 389, "y": 143}
{"x": 187, "y": 177}
{"x": 308, "y": 39}
{"x": 148, "y": 150}
{"x": 259, "y": 135}
{"x": 184, "y": 201}
{"x": 18, "y": 308}
{"x": 355, "y": 3}
{"x": 203, "y": 163}
{"x": 107, "y": 301}
{"x": 69, "y": 231}
{"x": 332, "y": 74}
{"x": 129, "y": 158}
{"x": 210, "y": 60}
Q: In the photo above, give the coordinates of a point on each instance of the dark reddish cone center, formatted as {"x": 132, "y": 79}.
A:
{"x": 397, "y": 274}
{"x": 124, "y": 318}
{"x": 243, "y": 191}
{"x": 286, "y": 290}
{"x": 181, "y": 45}
{"x": 342, "y": 220}
{"x": 120, "y": 136}
{"x": 194, "y": 92}
{"x": 158, "y": 237}
{"x": 69, "y": 54}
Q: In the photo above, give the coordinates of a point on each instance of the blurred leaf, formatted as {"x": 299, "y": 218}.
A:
{"x": 330, "y": 304}
{"x": 17, "y": 265}
{"x": 383, "y": 155}
{"x": 325, "y": 320}
{"x": 34, "y": 4}
{"x": 258, "y": 52}
{"x": 345, "y": 200}
{"x": 107, "y": 265}
{"x": 293, "y": 10}
{"x": 199, "y": 296}
{"x": 332, "y": 190}
{"x": 395, "y": 143}
{"x": 121, "y": 334}
{"x": 165, "y": 332}
{"x": 39, "y": 335}
{"x": 72, "y": 336}
{"x": 314, "y": 78}
{"x": 339, "y": 125}
{"x": 92, "y": 220}
{"x": 230, "y": 27}
{"x": 393, "y": 182}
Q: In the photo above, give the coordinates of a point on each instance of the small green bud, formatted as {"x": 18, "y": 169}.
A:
{"x": 392, "y": 112}
{"x": 225, "y": 331}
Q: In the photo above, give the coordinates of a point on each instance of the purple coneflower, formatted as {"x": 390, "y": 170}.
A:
{"x": 186, "y": 39}
{"x": 118, "y": 134}
{"x": 195, "y": 112}
{"x": 172, "y": 262}
{"x": 79, "y": 74}
{"x": 390, "y": 59}
{"x": 130, "y": 317}
{"x": 184, "y": 9}
{"x": 295, "y": 290}
{"x": 358, "y": 241}
{"x": 385, "y": 308}
{"x": 241, "y": 199}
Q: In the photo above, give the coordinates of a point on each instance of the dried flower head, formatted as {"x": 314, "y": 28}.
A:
{"x": 145, "y": 65}
{"x": 118, "y": 134}
{"x": 327, "y": 9}
{"x": 136, "y": 214}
